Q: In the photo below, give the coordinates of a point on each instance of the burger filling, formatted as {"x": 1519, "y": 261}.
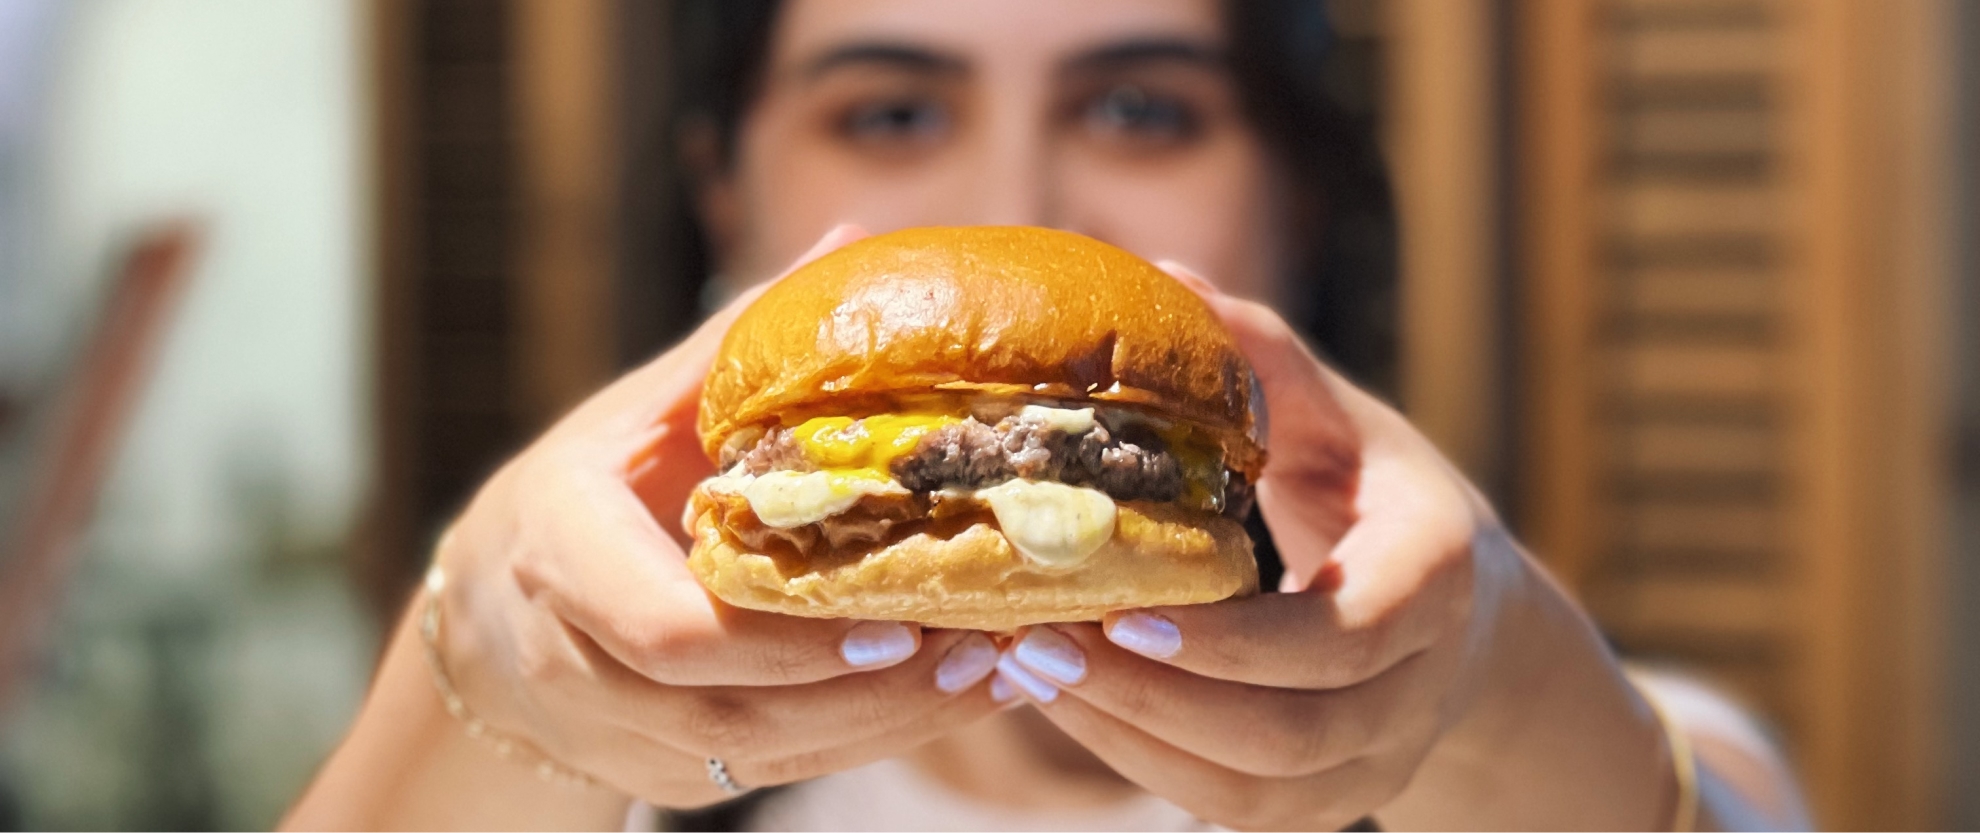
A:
{"x": 1039, "y": 444}
{"x": 1049, "y": 475}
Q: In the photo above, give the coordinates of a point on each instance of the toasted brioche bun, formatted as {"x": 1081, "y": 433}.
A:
{"x": 1019, "y": 312}
{"x": 1008, "y": 310}
{"x": 973, "y": 578}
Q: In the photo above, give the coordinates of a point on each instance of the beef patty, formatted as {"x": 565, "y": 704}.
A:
{"x": 1130, "y": 464}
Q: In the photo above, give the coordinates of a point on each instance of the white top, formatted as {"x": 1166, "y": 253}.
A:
{"x": 894, "y": 795}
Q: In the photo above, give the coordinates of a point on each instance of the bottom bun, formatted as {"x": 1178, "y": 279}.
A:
{"x": 971, "y": 576}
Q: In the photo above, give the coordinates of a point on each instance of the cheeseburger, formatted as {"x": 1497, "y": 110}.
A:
{"x": 976, "y": 428}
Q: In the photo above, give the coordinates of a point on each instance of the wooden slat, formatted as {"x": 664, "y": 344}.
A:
{"x": 1660, "y": 209}
{"x": 568, "y": 166}
{"x": 1698, "y": 608}
{"x": 1868, "y": 131}
{"x": 1696, "y": 131}
{"x": 1698, "y": 51}
{"x": 389, "y": 544}
{"x": 1694, "y": 371}
{"x": 1742, "y": 527}
{"x": 1695, "y": 292}
{"x": 1558, "y": 136}
{"x": 1663, "y": 447}
{"x": 1440, "y": 125}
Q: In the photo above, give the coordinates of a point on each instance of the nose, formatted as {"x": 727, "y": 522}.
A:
{"x": 1015, "y": 182}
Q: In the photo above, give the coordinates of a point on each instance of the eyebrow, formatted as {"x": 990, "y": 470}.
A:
{"x": 887, "y": 55}
{"x": 1127, "y": 54}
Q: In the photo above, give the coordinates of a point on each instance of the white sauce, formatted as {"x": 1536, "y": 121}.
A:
{"x": 788, "y": 499}
{"x": 1051, "y": 523}
{"x": 1074, "y": 422}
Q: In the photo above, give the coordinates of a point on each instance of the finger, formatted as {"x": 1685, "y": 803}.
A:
{"x": 1312, "y": 436}
{"x": 614, "y": 575}
{"x": 1328, "y": 800}
{"x": 954, "y": 714}
{"x": 1189, "y": 277}
{"x": 1313, "y": 639}
{"x": 668, "y": 777}
{"x": 767, "y": 723}
{"x": 838, "y": 236}
{"x": 1258, "y": 730}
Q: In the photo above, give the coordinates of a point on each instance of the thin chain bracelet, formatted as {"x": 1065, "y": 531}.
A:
{"x": 506, "y": 747}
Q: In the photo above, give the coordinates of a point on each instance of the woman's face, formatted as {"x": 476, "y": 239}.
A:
{"x": 1113, "y": 118}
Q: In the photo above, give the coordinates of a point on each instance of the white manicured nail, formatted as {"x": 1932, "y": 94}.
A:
{"x": 1009, "y": 669}
{"x": 1000, "y": 689}
{"x": 966, "y": 664}
{"x": 877, "y": 643}
{"x": 1052, "y": 655}
{"x": 1146, "y": 634}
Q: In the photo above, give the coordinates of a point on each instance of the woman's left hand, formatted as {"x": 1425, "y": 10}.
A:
{"x": 1315, "y": 706}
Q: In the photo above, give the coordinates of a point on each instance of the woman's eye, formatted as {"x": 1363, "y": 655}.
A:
{"x": 910, "y": 120}
{"x": 1132, "y": 112}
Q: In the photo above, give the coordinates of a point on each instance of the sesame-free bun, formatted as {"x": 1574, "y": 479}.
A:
{"x": 969, "y": 576}
{"x": 999, "y": 310}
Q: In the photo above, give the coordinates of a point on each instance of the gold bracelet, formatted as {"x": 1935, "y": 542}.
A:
{"x": 506, "y": 747}
{"x": 1684, "y": 818}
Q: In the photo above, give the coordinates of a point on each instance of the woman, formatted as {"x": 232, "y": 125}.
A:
{"x": 1417, "y": 667}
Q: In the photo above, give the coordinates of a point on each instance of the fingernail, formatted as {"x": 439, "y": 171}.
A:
{"x": 1146, "y": 634}
{"x": 1001, "y": 691}
{"x": 1008, "y": 669}
{"x": 876, "y": 643}
{"x": 1051, "y": 654}
{"x": 966, "y": 664}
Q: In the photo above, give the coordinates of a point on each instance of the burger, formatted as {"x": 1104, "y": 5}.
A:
{"x": 979, "y": 428}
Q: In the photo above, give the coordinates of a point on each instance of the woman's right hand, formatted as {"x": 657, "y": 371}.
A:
{"x": 572, "y": 622}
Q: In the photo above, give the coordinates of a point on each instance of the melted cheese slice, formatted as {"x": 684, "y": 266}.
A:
{"x": 788, "y": 499}
{"x": 1051, "y": 523}
{"x": 869, "y": 444}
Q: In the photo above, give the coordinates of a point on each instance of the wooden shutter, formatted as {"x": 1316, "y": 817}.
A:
{"x": 1731, "y": 279}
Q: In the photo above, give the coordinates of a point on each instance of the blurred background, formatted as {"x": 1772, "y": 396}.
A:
{"x": 1688, "y": 286}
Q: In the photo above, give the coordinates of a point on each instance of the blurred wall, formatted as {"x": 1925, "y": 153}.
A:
{"x": 209, "y": 650}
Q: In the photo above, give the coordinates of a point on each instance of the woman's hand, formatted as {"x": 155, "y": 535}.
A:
{"x": 572, "y": 623}
{"x": 1400, "y": 659}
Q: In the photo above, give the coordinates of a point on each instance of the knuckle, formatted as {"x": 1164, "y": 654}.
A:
{"x": 659, "y": 647}
{"x": 876, "y": 704}
{"x": 782, "y": 660}
{"x": 1299, "y": 746}
{"x": 1135, "y": 697}
{"x": 1360, "y": 657}
{"x": 723, "y": 725}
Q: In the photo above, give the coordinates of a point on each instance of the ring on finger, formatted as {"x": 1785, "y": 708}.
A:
{"x": 718, "y": 772}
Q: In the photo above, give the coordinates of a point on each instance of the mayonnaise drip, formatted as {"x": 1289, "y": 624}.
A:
{"x": 1051, "y": 523}
{"x": 788, "y": 499}
{"x": 1071, "y": 421}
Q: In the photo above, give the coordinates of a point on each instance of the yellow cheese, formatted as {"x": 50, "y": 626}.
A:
{"x": 870, "y": 444}
{"x": 788, "y": 499}
{"x": 1051, "y": 523}
{"x": 1202, "y": 463}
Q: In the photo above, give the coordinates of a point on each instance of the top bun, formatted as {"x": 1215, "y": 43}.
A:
{"x": 996, "y": 309}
